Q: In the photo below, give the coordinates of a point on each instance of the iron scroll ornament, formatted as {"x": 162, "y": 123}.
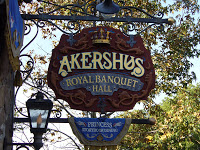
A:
{"x": 86, "y": 11}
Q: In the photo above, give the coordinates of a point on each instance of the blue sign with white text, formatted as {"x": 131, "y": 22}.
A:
{"x": 99, "y": 129}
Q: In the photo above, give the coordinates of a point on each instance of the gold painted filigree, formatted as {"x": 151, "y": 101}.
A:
{"x": 100, "y": 137}
{"x": 126, "y": 99}
{"x": 123, "y": 46}
{"x": 78, "y": 98}
{"x": 82, "y": 44}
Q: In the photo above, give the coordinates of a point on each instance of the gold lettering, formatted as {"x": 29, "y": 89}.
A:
{"x": 127, "y": 63}
{"x": 116, "y": 81}
{"x": 107, "y": 61}
{"x": 98, "y": 79}
{"x": 138, "y": 71}
{"x": 85, "y": 80}
{"x": 115, "y": 61}
{"x": 84, "y": 60}
{"x": 134, "y": 83}
{"x": 74, "y": 81}
{"x": 75, "y": 61}
{"x": 90, "y": 80}
{"x": 95, "y": 88}
{"x": 96, "y": 60}
{"x": 79, "y": 79}
{"x": 104, "y": 79}
{"x": 122, "y": 79}
{"x": 100, "y": 89}
{"x": 69, "y": 83}
{"x": 64, "y": 62}
{"x": 110, "y": 79}
{"x": 107, "y": 89}
{"x": 129, "y": 82}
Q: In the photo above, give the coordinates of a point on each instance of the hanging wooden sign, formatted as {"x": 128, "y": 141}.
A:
{"x": 101, "y": 69}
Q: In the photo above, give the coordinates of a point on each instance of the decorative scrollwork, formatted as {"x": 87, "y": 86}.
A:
{"x": 91, "y": 8}
{"x": 146, "y": 28}
{"x": 130, "y": 10}
{"x": 160, "y": 27}
{"x": 57, "y": 113}
{"x": 71, "y": 26}
{"x": 22, "y": 147}
{"x": 40, "y": 24}
{"x": 126, "y": 12}
{"x": 27, "y": 29}
{"x": 128, "y": 27}
{"x": 159, "y": 15}
{"x": 74, "y": 25}
{"x": 21, "y": 110}
{"x": 84, "y": 8}
{"x": 86, "y": 11}
{"x": 26, "y": 66}
{"x": 126, "y": 99}
{"x": 40, "y": 10}
{"x": 40, "y": 83}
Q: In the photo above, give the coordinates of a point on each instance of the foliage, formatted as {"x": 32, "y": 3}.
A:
{"x": 177, "y": 127}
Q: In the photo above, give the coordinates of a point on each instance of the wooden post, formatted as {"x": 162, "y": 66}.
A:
{"x": 6, "y": 86}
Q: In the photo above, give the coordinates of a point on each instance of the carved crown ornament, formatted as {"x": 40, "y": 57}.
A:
{"x": 101, "y": 69}
{"x": 101, "y": 37}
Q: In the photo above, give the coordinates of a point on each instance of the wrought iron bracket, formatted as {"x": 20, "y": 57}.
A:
{"x": 86, "y": 11}
{"x": 47, "y": 17}
{"x": 150, "y": 121}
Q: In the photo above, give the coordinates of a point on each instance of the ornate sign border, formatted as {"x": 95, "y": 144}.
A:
{"x": 96, "y": 42}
